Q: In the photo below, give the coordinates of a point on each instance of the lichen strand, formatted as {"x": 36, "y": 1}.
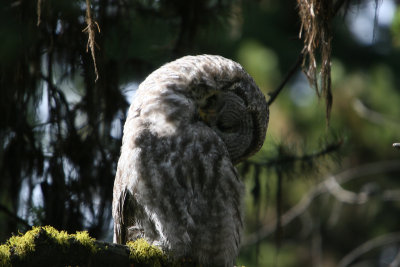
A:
{"x": 5, "y": 256}
{"x": 142, "y": 252}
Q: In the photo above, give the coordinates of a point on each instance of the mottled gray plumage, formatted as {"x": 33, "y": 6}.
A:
{"x": 176, "y": 185}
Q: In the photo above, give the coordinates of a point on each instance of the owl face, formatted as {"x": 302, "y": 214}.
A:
{"x": 238, "y": 114}
{"x": 227, "y": 114}
{"x": 212, "y": 89}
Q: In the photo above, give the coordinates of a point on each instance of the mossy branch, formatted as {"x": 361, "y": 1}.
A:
{"x": 46, "y": 246}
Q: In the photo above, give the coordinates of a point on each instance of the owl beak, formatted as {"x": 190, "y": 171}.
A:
{"x": 207, "y": 115}
{"x": 207, "y": 108}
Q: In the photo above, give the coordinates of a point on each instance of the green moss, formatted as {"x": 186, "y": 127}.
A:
{"x": 87, "y": 241}
{"x": 24, "y": 244}
{"x": 5, "y": 256}
{"x": 60, "y": 237}
{"x": 144, "y": 253}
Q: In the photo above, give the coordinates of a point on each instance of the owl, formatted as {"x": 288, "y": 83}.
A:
{"x": 176, "y": 183}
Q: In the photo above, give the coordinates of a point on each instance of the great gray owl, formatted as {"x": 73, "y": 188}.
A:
{"x": 176, "y": 185}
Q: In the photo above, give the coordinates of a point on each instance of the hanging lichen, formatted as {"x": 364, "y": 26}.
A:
{"x": 316, "y": 18}
{"x": 91, "y": 28}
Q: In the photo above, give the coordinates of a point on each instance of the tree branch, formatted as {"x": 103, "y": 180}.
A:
{"x": 373, "y": 116}
{"x": 396, "y": 261}
{"x": 369, "y": 245}
{"x": 285, "y": 159}
{"x": 325, "y": 187}
{"x": 342, "y": 195}
{"x": 39, "y": 12}
{"x": 14, "y": 216}
{"x": 292, "y": 71}
{"x": 45, "y": 246}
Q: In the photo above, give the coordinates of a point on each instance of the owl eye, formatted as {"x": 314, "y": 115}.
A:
{"x": 210, "y": 102}
{"x": 227, "y": 126}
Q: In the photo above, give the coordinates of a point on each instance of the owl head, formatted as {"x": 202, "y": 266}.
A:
{"x": 210, "y": 90}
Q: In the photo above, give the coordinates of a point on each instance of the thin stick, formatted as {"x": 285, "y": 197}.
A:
{"x": 292, "y": 71}
{"x": 90, "y": 29}
{"x": 39, "y": 12}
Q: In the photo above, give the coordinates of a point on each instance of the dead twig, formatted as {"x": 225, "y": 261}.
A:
{"x": 292, "y": 71}
{"x": 39, "y": 12}
{"x": 91, "y": 28}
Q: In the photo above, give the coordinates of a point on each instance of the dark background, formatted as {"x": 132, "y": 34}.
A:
{"x": 314, "y": 193}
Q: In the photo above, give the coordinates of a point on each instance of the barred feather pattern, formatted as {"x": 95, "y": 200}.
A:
{"x": 176, "y": 184}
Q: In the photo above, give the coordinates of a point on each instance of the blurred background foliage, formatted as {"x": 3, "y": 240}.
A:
{"x": 317, "y": 195}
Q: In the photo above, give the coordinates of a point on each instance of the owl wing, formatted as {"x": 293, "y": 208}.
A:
{"x": 188, "y": 195}
{"x": 127, "y": 218}
{"x": 120, "y": 223}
